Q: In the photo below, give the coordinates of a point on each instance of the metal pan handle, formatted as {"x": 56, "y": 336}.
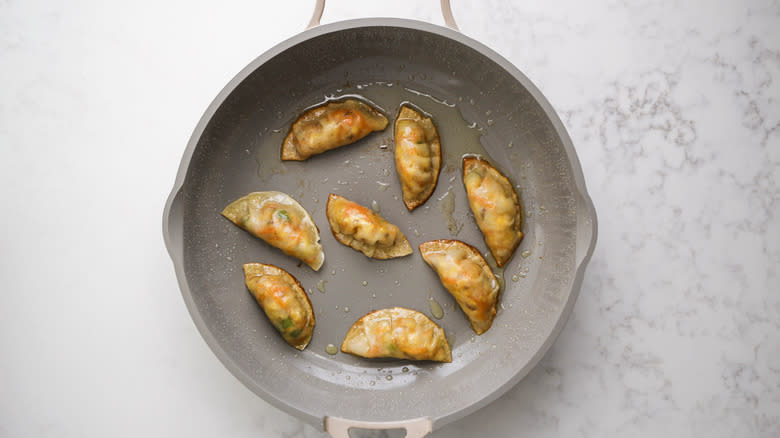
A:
{"x": 339, "y": 427}
{"x": 446, "y": 12}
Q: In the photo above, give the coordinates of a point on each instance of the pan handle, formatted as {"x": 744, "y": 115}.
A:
{"x": 319, "y": 6}
{"x": 172, "y": 214}
{"x": 449, "y": 19}
{"x": 446, "y": 11}
{"x": 417, "y": 428}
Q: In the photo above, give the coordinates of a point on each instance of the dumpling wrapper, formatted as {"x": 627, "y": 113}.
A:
{"x": 283, "y": 300}
{"x": 496, "y": 207}
{"x": 466, "y": 275}
{"x": 397, "y": 333}
{"x": 282, "y": 222}
{"x": 330, "y": 126}
{"x": 362, "y": 229}
{"x": 417, "y": 156}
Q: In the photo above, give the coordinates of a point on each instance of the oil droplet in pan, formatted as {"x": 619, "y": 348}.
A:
{"x": 436, "y": 309}
{"x": 331, "y": 349}
{"x": 498, "y": 272}
{"x": 447, "y": 207}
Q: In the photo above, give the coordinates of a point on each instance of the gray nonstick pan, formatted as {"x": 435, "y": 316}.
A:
{"x": 482, "y": 105}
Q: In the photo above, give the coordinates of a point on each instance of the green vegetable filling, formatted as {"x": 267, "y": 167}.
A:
{"x": 283, "y": 215}
{"x": 286, "y": 323}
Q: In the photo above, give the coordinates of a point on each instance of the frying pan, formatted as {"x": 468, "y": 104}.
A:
{"x": 481, "y": 104}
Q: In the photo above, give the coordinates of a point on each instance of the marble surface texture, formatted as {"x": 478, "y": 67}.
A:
{"x": 674, "y": 109}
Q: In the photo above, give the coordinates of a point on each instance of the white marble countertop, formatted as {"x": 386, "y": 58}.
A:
{"x": 673, "y": 108}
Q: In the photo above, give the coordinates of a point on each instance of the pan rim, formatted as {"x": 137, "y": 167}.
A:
{"x": 585, "y": 243}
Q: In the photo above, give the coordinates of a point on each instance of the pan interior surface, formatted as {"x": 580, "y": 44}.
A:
{"x": 478, "y": 107}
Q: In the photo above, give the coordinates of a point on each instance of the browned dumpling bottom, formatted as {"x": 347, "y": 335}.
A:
{"x": 466, "y": 275}
{"x": 397, "y": 333}
{"x": 283, "y": 300}
{"x": 362, "y": 229}
{"x": 329, "y": 126}
{"x": 282, "y": 222}
{"x": 495, "y": 205}
{"x": 417, "y": 156}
